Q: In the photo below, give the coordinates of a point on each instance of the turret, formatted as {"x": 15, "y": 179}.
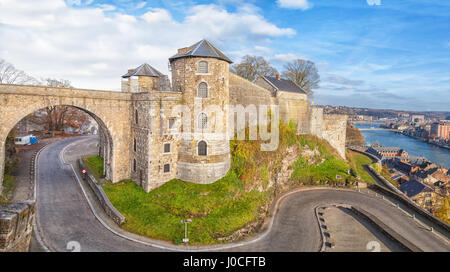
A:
{"x": 201, "y": 73}
{"x": 143, "y": 79}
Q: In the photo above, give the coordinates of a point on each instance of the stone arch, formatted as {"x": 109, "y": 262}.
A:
{"x": 111, "y": 110}
{"x": 105, "y": 140}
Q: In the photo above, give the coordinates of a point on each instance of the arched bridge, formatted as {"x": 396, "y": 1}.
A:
{"x": 111, "y": 110}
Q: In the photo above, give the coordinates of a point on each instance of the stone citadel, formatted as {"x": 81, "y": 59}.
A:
{"x": 140, "y": 127}
{"x": 200, "y": 80}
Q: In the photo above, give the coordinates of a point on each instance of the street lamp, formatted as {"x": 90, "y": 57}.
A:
{"x": 187, "y": 221}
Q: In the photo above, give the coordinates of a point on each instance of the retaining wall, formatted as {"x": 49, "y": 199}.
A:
{"x": 408, "y": 202}
{"x": 385, "y": 229}
{"x": 110, "y": 210}
{"x": 16, "y": 226}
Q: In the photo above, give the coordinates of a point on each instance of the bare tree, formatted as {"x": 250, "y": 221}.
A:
{"x": 304, "y": 73}
{"x": 251, "y": 66}
{"x": 56, "y": 114}
{"x": 10, "y": 75}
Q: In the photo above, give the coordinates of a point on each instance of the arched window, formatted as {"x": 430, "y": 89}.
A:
{"x": 203, "y": 121}
{"x": 202, "y": 148}
{"x": 203, "y": 67}
{"x": 203, "y": 90}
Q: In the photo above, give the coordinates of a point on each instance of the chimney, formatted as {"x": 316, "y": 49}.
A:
{"x": 130, "y": 70}
{"x": 183, "y": 50}
{"x": 278, "y": 76}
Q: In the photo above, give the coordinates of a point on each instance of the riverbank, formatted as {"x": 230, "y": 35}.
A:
{"x": 433, "y": 153}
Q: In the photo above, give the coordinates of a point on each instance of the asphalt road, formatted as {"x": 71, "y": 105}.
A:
{"x": 64, "y": 215}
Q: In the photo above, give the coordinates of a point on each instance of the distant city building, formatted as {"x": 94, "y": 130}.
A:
{"x": 386, "y": 153}
{"x": 417, "y": 118}
{"x": 440, "y": 130}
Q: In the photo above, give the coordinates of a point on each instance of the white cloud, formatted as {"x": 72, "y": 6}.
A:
{"x": 93, "y": 49}
{"x": 157, "y": 15}
{"x": 262, "y": 49}
{"x": 283, "y": 58}
{"x": 107, "y": 7}
{"x": 295, "y": 4}
{"x": 141, "y": 5}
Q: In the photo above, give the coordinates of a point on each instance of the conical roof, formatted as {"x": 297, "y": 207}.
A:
{"x": 202, "y": 49}
{"x": 143, "y": 70}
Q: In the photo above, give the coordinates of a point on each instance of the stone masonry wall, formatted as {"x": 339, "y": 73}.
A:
{"x": 293, "y": 106}
{"x": 112, "y": 108}
{"x": 334, "y": 131}
{"x": 244, "y": 92}
{"x": 185, "y": 78}
{"x": 16, "y": 226}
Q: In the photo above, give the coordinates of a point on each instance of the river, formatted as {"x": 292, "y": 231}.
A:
{"x": 438, "y": 155}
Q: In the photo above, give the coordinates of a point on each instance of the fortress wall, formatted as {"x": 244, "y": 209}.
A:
{"x": 244, "y": 92}
{"x": 316, "y": 121}
{"x": 293, "y": 106}
{"x": 334, "y": 131}
{"x": 16, "y": 226}
{"x": 209, "y": 173}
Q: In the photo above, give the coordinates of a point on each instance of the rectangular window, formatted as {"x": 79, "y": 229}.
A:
{"x": 203, "y": 67}
{"x": 171, "y": 123}
{"x": 166, "y": 168}
{"x": 167, "y": 148}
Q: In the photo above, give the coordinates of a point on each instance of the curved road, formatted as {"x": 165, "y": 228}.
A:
{"x": 63, "y": 214}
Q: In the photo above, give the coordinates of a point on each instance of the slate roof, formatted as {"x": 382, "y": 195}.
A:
{"x": 285, "y": 85}
{"x": 388, "y": 149}
{"x": 202, "y": 48}
{"x": 144, "y": 70}
{"x": 413, "y": 188}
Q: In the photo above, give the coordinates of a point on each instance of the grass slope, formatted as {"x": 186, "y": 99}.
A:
{"x": 217, "y": 210}
{"x": 94, "y": 165}
{"x": 357, "y": 160}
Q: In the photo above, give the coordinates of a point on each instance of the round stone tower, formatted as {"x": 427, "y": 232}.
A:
{"x": 201, "y": 73}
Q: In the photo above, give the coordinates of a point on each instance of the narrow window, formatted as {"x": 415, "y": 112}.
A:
{"x": 203, "y": 67}
{"x": 137, "y": 117}
{"x": 171, "y": 123}
{"x": 167, "y": 148}
{"x": 202, "y": 148}
{"x": 134, "y": 165}
{"x": 134, "y": 144}
{"x": 203, "y": 90}
{"x": 203, "y": 121}
{"x": 166, "y": 168}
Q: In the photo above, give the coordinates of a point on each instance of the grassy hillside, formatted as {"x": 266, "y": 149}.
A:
{"x": 239, "y": 201}
{"x": 357, "y": 160}
{"x": 94, "y": 165}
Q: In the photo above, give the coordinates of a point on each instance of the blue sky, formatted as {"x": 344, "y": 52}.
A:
{"x": 393, "y": 55}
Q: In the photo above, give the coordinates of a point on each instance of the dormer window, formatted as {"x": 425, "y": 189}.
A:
{"x": 203, "y": 90}
{"x": 203, "y": 67}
